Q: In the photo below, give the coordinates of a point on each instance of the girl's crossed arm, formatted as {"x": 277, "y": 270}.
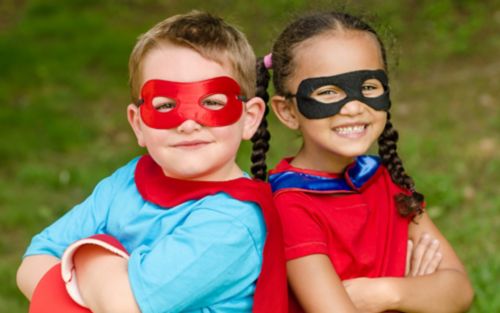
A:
{"x": 447, "y": 289}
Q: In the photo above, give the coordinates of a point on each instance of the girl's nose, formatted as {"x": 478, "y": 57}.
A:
{"x": 188, "y": 126}
{"x": 354, "y": 107}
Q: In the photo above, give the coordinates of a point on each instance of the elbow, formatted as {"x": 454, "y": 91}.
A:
{"x": 22, "y": 283}
{"x": 464, "y": 294}
{"x": 468, "y": 296}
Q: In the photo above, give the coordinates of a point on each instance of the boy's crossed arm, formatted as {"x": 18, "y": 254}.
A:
{"x": 32, "y": 269}
{"x": 96, "y": 266}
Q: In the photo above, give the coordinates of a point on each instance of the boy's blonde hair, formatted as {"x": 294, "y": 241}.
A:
{"x": 208, "y": 35}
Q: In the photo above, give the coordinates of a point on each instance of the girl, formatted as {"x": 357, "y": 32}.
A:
{"x": 347, "y": 216}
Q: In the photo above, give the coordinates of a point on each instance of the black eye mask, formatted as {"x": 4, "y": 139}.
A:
{"x": 351, "y": 83}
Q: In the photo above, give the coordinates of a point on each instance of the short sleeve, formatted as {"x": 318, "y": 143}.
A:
{"x": 210, "y": 258}
{"x": 85, "y": 219}
{"x": 302, "y": 225}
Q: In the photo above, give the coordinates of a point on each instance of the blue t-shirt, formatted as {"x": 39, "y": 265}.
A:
{"x": 200, "y": 256}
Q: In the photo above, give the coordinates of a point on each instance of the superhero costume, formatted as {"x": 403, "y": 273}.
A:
{"x": 167, "y": 225}
{"x": 350, "y": 217}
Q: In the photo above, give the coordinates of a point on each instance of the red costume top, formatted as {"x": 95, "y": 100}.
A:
{"x": 350, "y": 217}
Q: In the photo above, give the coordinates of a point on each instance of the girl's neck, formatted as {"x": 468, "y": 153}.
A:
{"x": 329, "y": 163}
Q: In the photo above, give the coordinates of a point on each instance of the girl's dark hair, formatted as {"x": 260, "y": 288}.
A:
{"x": 262, "y": 136}
{"x": 283, "y": 53}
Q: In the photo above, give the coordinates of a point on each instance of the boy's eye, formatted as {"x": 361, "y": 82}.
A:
{"x": 214, "y": 102}
{"x": 328, "y": 94}
{"x": 163, "y": 104}
{"x": 372, "y": 88}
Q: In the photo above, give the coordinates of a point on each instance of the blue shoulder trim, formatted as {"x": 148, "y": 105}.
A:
{"x": 355, "y": 177}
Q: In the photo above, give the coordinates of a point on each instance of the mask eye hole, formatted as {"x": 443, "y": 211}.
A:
{"x": 163, "y": 104}
{"x": 372, "y": 88}
{"x": 214, "y": 102}
{"x": 328, "y": 94}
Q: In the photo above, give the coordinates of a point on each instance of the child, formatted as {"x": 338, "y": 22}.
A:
{"x": 190, "y": 221}
{"x": 347, "y": 216}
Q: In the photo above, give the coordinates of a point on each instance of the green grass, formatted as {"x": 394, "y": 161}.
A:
{"x": 63, "y": 93}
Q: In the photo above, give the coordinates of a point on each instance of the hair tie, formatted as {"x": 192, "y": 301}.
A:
{"x": 268, "y": 61}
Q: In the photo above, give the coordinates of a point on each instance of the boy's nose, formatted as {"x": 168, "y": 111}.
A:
{"x": 353, "y": 107}
{"x": 188, "y": 126}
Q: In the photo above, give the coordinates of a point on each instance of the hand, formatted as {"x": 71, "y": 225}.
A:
{"x": 369, "y": 295}
{"x": 424, "y": 258}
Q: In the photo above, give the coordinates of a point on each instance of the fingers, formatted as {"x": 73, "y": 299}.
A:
{"x": 434, "y": 263}
{"x": 429, "y": 258}
{"x": 418, "y": 254}
{"x": 409, "y": 252}
{"x": 425, "y": 256}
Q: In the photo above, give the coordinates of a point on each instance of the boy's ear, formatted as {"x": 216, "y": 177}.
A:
{"x": 285, "y": 111}
{"x": 254, "y": 111}
{"x": 134, "y": 119}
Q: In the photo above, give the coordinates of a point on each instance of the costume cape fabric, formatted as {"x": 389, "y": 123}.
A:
{"x": 355, "y": 178}
{"x": 271, "y": 290}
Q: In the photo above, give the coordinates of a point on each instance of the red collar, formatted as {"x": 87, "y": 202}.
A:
{"x": 168, "y": 192}
{"x": 271, "y": 291}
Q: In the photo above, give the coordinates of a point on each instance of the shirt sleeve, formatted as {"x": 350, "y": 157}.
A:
{"x": 302, "y": 225}
{"x": 85, "y": 219}
{"x": 211, "y": 257}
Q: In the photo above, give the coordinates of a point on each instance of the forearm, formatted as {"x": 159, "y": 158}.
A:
{"x": 103, "y": 281}
{"x": 32, "y": 270}
{"x": 446, "y": 291}
{"x": 317, "y": 286}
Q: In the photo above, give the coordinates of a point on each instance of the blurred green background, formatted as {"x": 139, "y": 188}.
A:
{"x": 63, "y": 94}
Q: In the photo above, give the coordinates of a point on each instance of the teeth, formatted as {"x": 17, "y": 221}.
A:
{"x": 350, "y": 130}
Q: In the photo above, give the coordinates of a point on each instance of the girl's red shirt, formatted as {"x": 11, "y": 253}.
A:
{"x": 357, "y": 227}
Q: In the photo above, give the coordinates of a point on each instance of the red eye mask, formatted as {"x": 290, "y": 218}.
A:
{"x": 212, "y": 102}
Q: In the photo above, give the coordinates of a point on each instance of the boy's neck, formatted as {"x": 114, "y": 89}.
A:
{"x": 228, "y": 172}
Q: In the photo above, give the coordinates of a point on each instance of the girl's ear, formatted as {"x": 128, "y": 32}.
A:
{"x": 285, "y": 111}
{"x": 254, "y": 111}
{"x": 134, "y": 119}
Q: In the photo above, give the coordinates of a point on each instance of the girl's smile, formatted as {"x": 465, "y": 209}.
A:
{"x": 351, "y": 130}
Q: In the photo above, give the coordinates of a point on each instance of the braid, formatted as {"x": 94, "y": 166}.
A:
{"x": 262, "y": 136}
{"x": 408, "y": 205}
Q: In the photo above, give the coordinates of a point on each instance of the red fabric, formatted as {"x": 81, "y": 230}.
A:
{"x": 271, "y": 292}
{"x": 188, "y": 99}
{"x": 362, "y": 233}
{"x": 50, "y": 295}
{"x": 105, "y": 241}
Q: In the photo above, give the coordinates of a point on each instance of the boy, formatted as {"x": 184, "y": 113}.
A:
{"x": 191, "y": 220}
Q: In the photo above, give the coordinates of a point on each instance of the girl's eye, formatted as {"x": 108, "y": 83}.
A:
{"x": 372, "y": 88}
{"x": 163, "y": 104}
{"x": 214, "y": 102}
{"x": 328, "y": 94}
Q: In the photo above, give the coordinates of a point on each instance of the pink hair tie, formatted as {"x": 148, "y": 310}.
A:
{"x": 268, "y": 61}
